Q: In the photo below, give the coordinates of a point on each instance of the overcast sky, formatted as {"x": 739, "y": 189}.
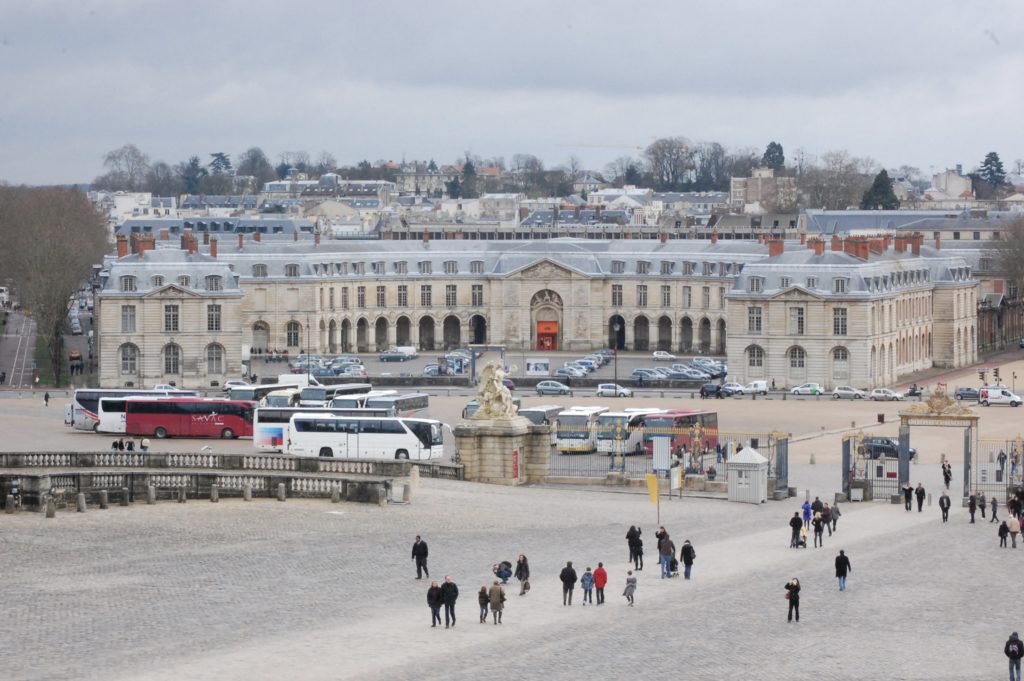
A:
{"x": 928, "y": 84}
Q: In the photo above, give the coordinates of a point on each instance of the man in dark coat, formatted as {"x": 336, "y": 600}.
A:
{"x": 944, "y": 505}
{"x": 688, "y": 555}
{"x": 817, "y": 505}
{"x": 419, "y": 554}
{"x": 981, "y": 504}
{"x": 908, "y": 497}
{"x": 972, "y": 506}
{"x": 568, "y": 577}
{"x": 920, "y": 496}
{"x": 795, "y": 523}
{"x": 1014, "y": 650}
{"x": 449, "y": 594}
{"x": 842, "y": 568}
{"x": 435, "y": 603}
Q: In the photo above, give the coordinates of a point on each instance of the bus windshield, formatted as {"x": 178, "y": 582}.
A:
{"x": 574, "y": 425}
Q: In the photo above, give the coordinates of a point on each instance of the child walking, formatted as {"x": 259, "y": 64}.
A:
{"x": 630, "y": 587}
{"x": 587, "y": 582}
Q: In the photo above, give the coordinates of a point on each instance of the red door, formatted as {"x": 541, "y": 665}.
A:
{"x": 547, "y": 335}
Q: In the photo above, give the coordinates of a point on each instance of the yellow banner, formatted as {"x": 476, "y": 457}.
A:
{"x": 652, "y": 487}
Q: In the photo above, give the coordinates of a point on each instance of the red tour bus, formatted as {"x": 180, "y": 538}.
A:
{"x": 682, "y": 425}
{"x": 188, "y": 417}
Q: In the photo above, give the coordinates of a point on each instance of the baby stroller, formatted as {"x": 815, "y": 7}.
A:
{"x": 503, "y": 571}
{"x": 674, "y": 567}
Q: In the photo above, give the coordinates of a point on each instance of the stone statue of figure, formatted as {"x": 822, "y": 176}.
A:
{"x": 494, "y": 399}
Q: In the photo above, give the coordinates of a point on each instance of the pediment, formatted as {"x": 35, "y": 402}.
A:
{"x": 796, "y": 293}
{"x": 171, "y": 291}
{"x": 544, "y": 271}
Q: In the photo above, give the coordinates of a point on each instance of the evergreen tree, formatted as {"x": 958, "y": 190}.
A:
{"x": 191, "y": 173}
{"x": 454, "y": 188}
{"x": 880, "y": 195}
{"x": 773, "y": 156}
{"x": 468, "y": 187}
{"x": 992, "y": 170}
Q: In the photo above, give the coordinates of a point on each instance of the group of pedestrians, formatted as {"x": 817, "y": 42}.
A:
{"x": 817, "y": 516}
{"x": 909, "y": 493}
{"x": 122, "y": 445}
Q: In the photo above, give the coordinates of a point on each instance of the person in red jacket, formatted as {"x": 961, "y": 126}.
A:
{"x": 600, "y": 579}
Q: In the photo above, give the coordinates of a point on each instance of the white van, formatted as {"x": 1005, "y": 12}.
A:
{"x": 756, "y": 388}
{"x": 407, "y": 350}
{"x": 997, "y": 395}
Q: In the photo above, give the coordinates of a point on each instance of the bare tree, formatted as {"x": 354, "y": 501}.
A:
{"x": 161, "y": 180}
{"x": 574, "y": 168}
{"x": 1009, "y": 253}
{"x": 254, "y": 163}
{"x": 126, "y": 169}
{"x": 617, "y": 170}
{"x": 52, "y": 237}
{"x": 838, "y": 182}
{"x": 670, "y": 160}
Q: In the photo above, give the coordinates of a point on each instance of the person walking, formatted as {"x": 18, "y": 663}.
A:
{"x": 908, "y": 496}
{"x": 972, "y": 506}
{"x": 688, "y": 555}
{"x": 600, "y": 579}
{"x": 793, "y": 596}
{"x": 434, "y": 601}
{"x": 807, "y": 513}
{"x": 920, "y": 493}
{"x": 630, "y": 587}
{"x": 947, "y": 473}
{"x": 483, "y": 598}
{"x": 835, "y": 516}
{"x": 944, "y": 504}
{"x": 419, "y": 554}
{"x": 1004, "y": 532}
{"x": 1001, "y": 460}
{"x": 981, "y": 504}
{"x": 666, "y": 552}
{"x": 636, "y": 547}
{"x": 449, "y": 594}
{"x": 819, "y": 527}
{"x": 523, "y": 574}
{"x": 568, "y": 578}
{"x": 144, "y": 445}
{"x": 803, "y": 537}
{"x": 842, "y": 568}
{"x": 826, "y": 518}
{"x": 497, "y": 598}
{"x": 587, "y": 582}
{"x": 1014, "y": 650}
{"x": 817, "y": 505}
{"x": 46, "y": 399}
{"x": 995, "y": 507}
{"x": 1013, "y": 525}
{"x": 795, "y": 525}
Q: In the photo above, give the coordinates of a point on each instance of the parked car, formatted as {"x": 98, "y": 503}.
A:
{"x": 613, "y": 390}
{"x": 966, "y": 394}
{"x": 711, "y": 390}
{"x": 431, "y": 370}
{"x": 553, "y": 388}
{"x": 885, "y": 395}
{"x": 756, "y": 388}
{"x": 663, "y": 356}
{"x": 876, "y": 447}
{"x": 587, "y": 364}
{"x": 990, "y": 395}
{"x": 393, "y": 356}
{"x": 234, "y": 383}
{"x": 647, "y": 374}
{"x": 807, "y": 389}
{"x": 322, "y": 372}
{"x": 507, "y": 382}
{"x": 354, "y": 370}
{"x": 730, "y": 389}
{"x": 570, "y": 372}
{"x": 164, "y": 386}
{"x": 848, "y": 392}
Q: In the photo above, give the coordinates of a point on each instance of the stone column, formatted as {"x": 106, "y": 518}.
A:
{"x": 629, "y": 339}
{"x": 494, "y": 450}
{"x": 392, "y": 335}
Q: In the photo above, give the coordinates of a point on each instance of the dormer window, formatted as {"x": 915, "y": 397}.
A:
{"x": 377, "y": 267}
{"x": 425, "y": 267}
{"x": 785, "y": 282}
{"x": 259, "y": 271}
{"x": 128, "y": 284}
{"x": 839, "y": 285}
{"x": 214, "y": 283}
{"x": 812, "y": 282}
{"x": 401, "y": 267}
{"x": 756, "y": 284}
{"x": 618, "y": 267}
{"x": 291, "y": 270}
{"x": 184, "y": 281}
{"x": 667, "y": 266}
{"x": 476, "y": 267}
{"x": 451, "y": 267}
{"x": 642, "y": 267}
{"x": 157, "y": 281}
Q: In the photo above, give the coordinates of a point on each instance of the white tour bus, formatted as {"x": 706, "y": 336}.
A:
{"x": 352, "y": 437}
{"x": 270, "y": 424}
{"x": 82, "y": 412}
{"x": 544, "y": 415}
{"x": 287, "y": 397}
{"x": 358, "y": 401}
{"x": 577, "y": 429}
{"x": 321, "y": 395}
{"x": 622, "y": 431}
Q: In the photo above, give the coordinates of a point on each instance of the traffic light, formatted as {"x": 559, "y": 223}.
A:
{"x": 995, "y": 373}
{"x": 981, "y": 375}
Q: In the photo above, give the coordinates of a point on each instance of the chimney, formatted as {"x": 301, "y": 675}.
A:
{"x": 184, "y": 241}
{"x": 122, "y": 245}
{"x": 876, "y": 245}
{"x": 256, "y": 236}
{"x": 901, "y": 244}
{"x": 523, "y": 214}
{"x": 915, "y": 243}
{"x": 213, "y": 248}
{"x": 664, "y": 237}
{"x": 597, "y": 213}
{"x": 241, "y": 241}
{"x": 206, "y": 238}
{"x": 714, "y": 237}
{"x": 165, "y": 234}
{"x": 818, "y": 246}
{"x": 316, "y": 238}
{"x": 145, "y": 242}
{"x": 837, "y": 243}
{"x": 863, "y": 247}
{"x": 295, "y": 235}
{"x": 776, "y": 247}
{"x": 576, "y": 212}
{"x": 938, "y": 243}
{"x": 803, "y": 238}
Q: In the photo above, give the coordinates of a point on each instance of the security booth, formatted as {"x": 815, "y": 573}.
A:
{"x": 748, "y": 477}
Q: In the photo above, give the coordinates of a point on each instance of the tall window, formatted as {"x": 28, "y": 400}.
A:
{"x": 259, "y": 271}
{"x": 128, "y": 319}
{"x": 641, "y": 295}
{"x": 721, "y": 297}
{"x": 361, "y": 296}
{"x": 426, "y": 296}
{"x": 666, "y": 296}
{"x": 797, "y": 358}
{"x": 213, "y": 317}
{"x": 214, "y": 283}
{"x": 753, "y": 320}
{"x": 450, "y": 295}
{"x": 403, "y": 295}
{"x": 796, "y": 321}
{"x": 840, "y": 363}
{"x": 616, "y": 295}
{"x": 330, "y": 297}
{"x": 687, "y": 296}
{"x": 344, "y": 298}
{"x": 705, "y": 297}
{"x": 170, "y": 317}
{"x": 755, "y": 356}
{"x": 129, "y": 359}
{"x": 478, "y": 295}
{"x": 214, "y": 359}
{"x": 380, "y": 296}
{"x": 172, "y": 359}
{"x": 292, "y": 336}
{"x": 128, "y": 284}
{"x": 839, "y": 321}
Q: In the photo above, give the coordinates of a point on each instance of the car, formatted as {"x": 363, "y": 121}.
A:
{"x": 675, "y": 376}
{"x": 431, "y": 370}
{"x": 847, "y": 392}
{"x": 234, "y": 383}
{"x": 646, "y": 374}
{"x": 966, "y": 394}
{"x": 807, "y": 389}
{"x": 553, "y": 388}
{"x": 730, "y": 389}
{"x": 613, "y": 390}
{"x": 165, "y": 386}
{"x": 322, "y": 372}
{"x": 353, "y": 370}
{"x": 507, "y": 382}
{"x": 885, "y": 395}
{"x": 587, "y": 364}
{"x": 393, "y": 356}
{"x": 580, "y": 367}
{"x": 711, "y": 390}
{"x": 663, "y": 356}
{"x": 570, "y": 372}
{"x": 756, "y": 388}
{"x": 876, "y": 446}
{"x": 990, "y": 395}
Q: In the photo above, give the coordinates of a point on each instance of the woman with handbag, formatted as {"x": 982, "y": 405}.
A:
{"x": 523, "y": 574}
{"x": 793, "y": 596}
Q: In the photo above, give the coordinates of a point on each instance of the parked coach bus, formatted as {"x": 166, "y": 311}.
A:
{"x": 270, "y": 424}
{"x": 622, "y": 431}
{"x": 82, "y": 412}
{"x": 321, "y": 395}
{"x": 364, "y": 438}
{"x": 189, "y": 417}
{"x": 577, "y": 430}
{"x": 681, "y": 425}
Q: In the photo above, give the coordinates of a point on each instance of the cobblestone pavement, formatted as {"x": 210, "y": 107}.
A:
{"x": 311, "y": 590}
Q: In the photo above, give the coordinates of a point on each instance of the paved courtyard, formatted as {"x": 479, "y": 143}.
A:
{"x": 311, "y": 590}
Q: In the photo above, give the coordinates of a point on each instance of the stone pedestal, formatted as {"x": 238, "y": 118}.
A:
{"x": 502, "y": 451}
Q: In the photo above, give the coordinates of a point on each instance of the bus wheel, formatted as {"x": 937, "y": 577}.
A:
{"x": 326, "y": 451}
{"x": 228, "y": 434}
{"x": 160, "y": 432}
{"x": 401, "y": 454}
{"x": 96, "y": 427}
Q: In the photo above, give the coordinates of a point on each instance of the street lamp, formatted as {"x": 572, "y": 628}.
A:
{"x": 616, "y": 327}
